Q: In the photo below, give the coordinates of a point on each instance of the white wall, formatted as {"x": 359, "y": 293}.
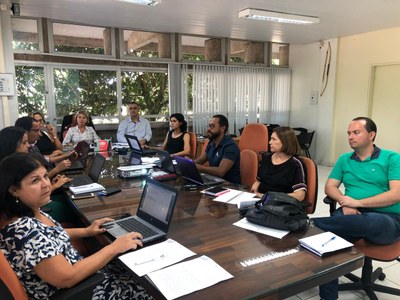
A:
{"x": 307, "y": 63}
{"x": 358, "y": 55}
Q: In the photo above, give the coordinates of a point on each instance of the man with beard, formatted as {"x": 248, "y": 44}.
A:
{"x": 370, "y": 205}
{"x": 222, "y": 154}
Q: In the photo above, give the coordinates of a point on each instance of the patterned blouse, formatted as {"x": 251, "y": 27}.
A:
{"x": 27, "y": 241}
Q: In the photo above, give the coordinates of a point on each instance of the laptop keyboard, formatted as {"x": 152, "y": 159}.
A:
{"x": 81, "y": 180}
{"x": 132, "y": 224}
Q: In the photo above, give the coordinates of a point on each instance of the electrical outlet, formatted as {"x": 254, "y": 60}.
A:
{"x": 314, "y": 98}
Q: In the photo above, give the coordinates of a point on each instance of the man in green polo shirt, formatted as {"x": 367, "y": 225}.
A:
{"x": 370, "y": 206}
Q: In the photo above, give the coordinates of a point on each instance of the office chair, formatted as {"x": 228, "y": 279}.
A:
{"x": 193, "y": 144}
{"x": 311, "y": 171}
{"x": 254, "y": 137}
{"x": 372, "y": 252}
{"x": 248, "y": 167}
{"x": 305, "y": 139}
{"x": 11, "y": 287}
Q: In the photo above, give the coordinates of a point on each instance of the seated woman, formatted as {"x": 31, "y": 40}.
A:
{"x": 49, "y": 141}
{"x": 15, "y": 139}
{"x": 177, "y": 141}
{"x": 281, "y": 170}
{"x": 41, "y": 253}
{"x": 81, "y": 132}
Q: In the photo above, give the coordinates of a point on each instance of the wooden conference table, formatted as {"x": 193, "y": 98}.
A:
{"x": 205, "y": 227}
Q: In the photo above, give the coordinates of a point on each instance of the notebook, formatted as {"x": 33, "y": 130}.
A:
{"x": 82, "y": 150}
{"x": 189, "y": 171}
{"x": 134, "y": 144}
{"x": 153, "y": 216}
{"x": 93, "y": 175}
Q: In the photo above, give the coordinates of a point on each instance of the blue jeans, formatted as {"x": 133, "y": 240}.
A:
{"x": 376, "y": 227}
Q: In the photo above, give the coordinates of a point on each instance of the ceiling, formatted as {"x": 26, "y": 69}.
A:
{"x": 220, "y": 17}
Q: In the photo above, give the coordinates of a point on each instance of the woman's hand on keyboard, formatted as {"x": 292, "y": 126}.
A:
{"x": 127, "y": 242}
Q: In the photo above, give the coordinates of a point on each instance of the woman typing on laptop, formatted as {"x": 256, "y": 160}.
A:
{"x": 41, "y": 253}
{"x": 177, "y": 141}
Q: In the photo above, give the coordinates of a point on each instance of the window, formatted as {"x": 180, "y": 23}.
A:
{"x": 81, "y": 39}
{"x": 242, "y": 51}
{"x": 197, "y": 48}
{"x": 25, "y": 34}
{"x": 92, "y": 90}
{"x": 31, "y": 90}
{"x": 279, "y": 54}
{"x": 149, "y": 89}
{"x": 147, "y": 44}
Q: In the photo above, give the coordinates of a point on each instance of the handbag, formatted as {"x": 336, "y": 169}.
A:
{"x": 280, "y": 211}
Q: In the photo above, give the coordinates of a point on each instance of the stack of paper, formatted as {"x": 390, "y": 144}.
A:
{"x": 240, "y": 198}
{"x": 87, "y": 188}
{"x": 325, "y": 243}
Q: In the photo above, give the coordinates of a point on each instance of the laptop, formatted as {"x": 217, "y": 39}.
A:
{"x": 82, "y": 150}
{"x": 134, "y": 144}
{"x": 167, "y": 170}
{"x": 93, "y": 175}
{"x": 189, "y": 171}
{"x": 153, "y": 216}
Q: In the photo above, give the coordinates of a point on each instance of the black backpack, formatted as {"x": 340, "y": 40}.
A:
{"x": 279, "y": 211}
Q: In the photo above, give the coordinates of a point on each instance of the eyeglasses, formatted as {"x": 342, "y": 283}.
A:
{"x": 211, "y": 126}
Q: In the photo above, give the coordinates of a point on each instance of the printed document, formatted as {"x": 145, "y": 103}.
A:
{"x": 276, "y": 233}
{"x": 187, "y": 277}
{"x": 237, "y": 197}
{"x": 155, "y": 257}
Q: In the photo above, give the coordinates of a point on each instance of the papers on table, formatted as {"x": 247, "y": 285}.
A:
{"x": 135, "y": 167}
{"x": 155, "y": 257}
{"x": 243, "y": 223}
{"x": 87, "y": 188}
{"x": 150, "y": 160}
{"x": 324, "y": 243}
{"x": 240, "y": 198}
{"x": 189, "y": 276}
{"x": 120, "y": 145}
{"x": 179, "y": 279}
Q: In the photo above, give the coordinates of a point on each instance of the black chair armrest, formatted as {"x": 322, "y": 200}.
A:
{"x": 331, "y": 203}
{"x": 82, "y": 291}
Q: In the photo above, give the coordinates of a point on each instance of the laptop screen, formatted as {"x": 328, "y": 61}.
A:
{"x": 133, "y": 142}
{"x": 157, "y": 203}
{"x": 96, "y": 167}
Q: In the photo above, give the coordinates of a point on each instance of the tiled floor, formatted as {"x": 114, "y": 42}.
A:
{"x": 391, "y": 269}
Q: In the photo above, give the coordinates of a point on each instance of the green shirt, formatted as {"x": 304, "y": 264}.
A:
{"x": 363, "y": 179}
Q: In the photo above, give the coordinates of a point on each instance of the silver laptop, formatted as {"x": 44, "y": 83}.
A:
{"x": 188, "y": 170}
{"x": 153, "y": 216}
{"x": 135, "y": 146}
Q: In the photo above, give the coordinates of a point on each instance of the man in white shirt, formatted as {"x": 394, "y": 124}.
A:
{"x": 134, "y": 125}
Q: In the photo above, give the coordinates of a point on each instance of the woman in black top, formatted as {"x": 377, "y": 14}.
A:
{"x": 281, "y": 170}
{"x": 49, "y": 141}
{"x": 177, "y": 141}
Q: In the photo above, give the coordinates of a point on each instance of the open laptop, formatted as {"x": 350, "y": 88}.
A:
{"x": 92, "y": 176}
{"x": 134, "y": 144}
{"x": 189, "y": 171}
{"x": 166, "y": 165}
{"x": 82, "y": 150}
{"x": 153, "y": 216}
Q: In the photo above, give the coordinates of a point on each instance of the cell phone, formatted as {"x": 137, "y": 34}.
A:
{"x": 216, "y": 191}
{"x": 82, "y": 196}
{"x": 110, "y": 191}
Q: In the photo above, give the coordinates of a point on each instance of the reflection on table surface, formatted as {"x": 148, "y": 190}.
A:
{"x": 205, "y": 227}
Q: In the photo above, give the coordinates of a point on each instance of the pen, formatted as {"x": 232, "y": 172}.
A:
{"x": 331, "y": 239}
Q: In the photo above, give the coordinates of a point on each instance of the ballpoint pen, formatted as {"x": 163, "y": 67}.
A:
{"x": 328, "y": 241}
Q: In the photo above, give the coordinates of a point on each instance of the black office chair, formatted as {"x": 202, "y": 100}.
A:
{"x": 372, "y": 252}
{"x": 305, "y": 139}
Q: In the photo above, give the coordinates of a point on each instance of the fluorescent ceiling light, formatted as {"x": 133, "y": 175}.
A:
{"x": 273, "y": 16}
{"x": 143, "y": 2}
